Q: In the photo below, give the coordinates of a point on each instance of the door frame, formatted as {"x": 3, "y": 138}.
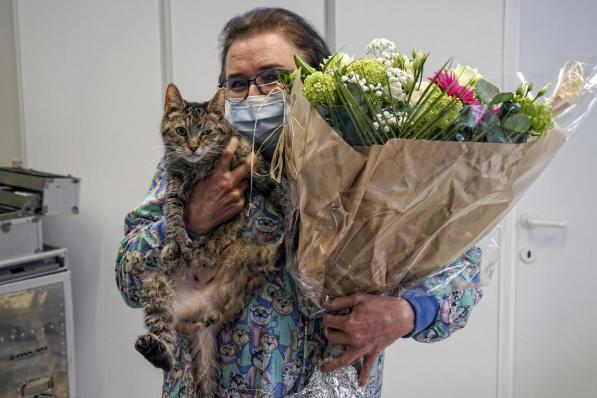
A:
{"x": 508, "y": 261}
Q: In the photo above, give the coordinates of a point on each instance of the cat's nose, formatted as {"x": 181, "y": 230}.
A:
{"x": 193, "y": 147}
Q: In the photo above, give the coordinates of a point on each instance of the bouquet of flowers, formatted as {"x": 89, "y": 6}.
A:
{"x": 394, "y": 172}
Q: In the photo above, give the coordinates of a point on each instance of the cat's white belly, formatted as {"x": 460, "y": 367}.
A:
{"x": 192, "y": 293}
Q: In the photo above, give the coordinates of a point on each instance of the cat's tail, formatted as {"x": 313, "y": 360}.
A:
{"x": 206, "y": 368}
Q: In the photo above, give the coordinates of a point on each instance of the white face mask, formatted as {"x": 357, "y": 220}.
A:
{"x": 259, "y": 118}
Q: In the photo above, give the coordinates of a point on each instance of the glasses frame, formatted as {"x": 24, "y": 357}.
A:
{"x": 249, "y": 82}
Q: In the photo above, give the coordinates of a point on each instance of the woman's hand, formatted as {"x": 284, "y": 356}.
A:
{"x": 220, "y": 196}
{"x": 374, "y": 323}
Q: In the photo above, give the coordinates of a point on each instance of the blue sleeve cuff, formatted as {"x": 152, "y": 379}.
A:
{"x": 426, "y": 308}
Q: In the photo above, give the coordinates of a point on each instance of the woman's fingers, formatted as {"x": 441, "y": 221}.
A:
{"x": 347, "y": 357}
{"x": 335, "y": 321}
{"x": 340, "y": 303}
{"x": 368, "y": 362}
{"x": 336, "y": 336}
{"x": 243, "y": 169}
{"x": 227, "y": 154}
{"x": 242, "y": 186}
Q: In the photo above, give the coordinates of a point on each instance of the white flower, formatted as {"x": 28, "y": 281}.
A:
{"x": 466, "y": 74}
{"x": 416, "y": 95}
{"x": 384, "y": 49}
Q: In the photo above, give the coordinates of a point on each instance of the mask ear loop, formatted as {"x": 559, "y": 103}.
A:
{"x": 277, "y": 178}
{"x": 276, "y": 166}
{"x": 258, "y": 151}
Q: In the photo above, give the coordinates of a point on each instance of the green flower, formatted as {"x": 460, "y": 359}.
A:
{"x": 541, "y": 118}
{"x": 292, "y": 75}
{"x": 446, "y": 102}
{"x": 370, "y": 70}
{"x": 319, "y": 88}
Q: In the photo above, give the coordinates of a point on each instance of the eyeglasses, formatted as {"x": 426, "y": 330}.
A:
{"x": 267, "y": 82}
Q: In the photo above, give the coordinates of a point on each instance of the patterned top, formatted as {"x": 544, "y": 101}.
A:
{"x": 272, "y": 348}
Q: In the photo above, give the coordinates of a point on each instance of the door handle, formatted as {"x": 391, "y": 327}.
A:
{"x": 532, "y": 222}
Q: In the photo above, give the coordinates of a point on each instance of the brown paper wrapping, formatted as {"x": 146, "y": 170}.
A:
{"x": 374, "y": 218}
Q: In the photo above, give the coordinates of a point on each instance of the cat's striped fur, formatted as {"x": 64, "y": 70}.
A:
{"x": 202, "y": 284}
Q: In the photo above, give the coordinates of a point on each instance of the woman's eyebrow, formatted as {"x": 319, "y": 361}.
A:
{"x": 270, "y": 66}
{"x": 261, "y": 69}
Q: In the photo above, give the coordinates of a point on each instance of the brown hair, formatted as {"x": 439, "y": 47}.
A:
{"x": 261, "y": 20}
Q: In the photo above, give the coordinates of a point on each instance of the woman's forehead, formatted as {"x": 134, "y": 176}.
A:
{"x": 248, "y": 56}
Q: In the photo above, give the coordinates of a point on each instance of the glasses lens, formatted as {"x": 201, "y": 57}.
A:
{"x": 237, "y": 88}
{"x": 268, "y": 81}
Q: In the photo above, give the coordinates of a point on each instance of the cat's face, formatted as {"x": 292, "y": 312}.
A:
{"x": 260, "y": 358}
{"x": 226, "y": 350}
{"x": 260, "y": 314}
{"x": 269, "y": 342}
{"x": 227, "y": 354}
{"x": 240, "y": 337}
{"x": 282, "y": 303}
{"x": 238, "y": 381}
{"x": 192, "y": 132}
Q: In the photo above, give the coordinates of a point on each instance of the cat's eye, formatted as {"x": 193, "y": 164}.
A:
{"x": 182, "y": 131}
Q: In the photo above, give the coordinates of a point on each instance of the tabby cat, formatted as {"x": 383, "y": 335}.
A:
{"x": 201, "y": 284}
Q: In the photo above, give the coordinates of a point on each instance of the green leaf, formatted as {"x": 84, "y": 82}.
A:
{"x": 486, "y": 90}
{"x": 304, "y": 67}
{"x": 331, "y": 61}
{"x": 519, "y": 123}
{"x": 501, "y": 98}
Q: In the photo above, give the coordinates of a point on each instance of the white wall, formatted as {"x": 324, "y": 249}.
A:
{"x": 10, "y": 133}
{"x": 93, "y": 73}
{"x": 92, "y": 93}
{"x": 92, "y": 78}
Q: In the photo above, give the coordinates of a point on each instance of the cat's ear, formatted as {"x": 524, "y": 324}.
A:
{"x": 217, "y": 103}
{"x": 173, "y": 100}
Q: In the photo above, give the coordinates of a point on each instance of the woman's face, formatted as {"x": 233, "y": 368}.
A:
{"x": 247, "y": 57}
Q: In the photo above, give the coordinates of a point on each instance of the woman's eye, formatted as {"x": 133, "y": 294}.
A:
{"x": 181, "y": 131}
{"x": 237, "y": 84}
{"x": 269, "y": 76}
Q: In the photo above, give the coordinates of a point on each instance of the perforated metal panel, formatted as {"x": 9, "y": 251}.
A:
{"x": 35, "y": 324}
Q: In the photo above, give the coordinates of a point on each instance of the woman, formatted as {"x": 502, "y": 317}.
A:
{"x": 272, "y": 348}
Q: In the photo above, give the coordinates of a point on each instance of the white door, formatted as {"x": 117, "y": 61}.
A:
{"x": 555, "y": 333}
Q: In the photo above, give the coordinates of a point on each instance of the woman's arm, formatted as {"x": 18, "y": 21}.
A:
{"x": 375, "y": 322}
{"x": 214, "y": 200}
{"x": 144, "y": 234}
{"x": 437, "y": 316}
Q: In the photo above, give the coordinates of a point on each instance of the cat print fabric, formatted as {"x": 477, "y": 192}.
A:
{"x": 271, "y": 349}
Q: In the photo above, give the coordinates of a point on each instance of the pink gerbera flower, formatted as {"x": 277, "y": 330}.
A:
{"x": 448, "y": 82}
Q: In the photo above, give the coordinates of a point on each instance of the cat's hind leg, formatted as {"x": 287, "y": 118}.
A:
{"x": 156, "y": 345}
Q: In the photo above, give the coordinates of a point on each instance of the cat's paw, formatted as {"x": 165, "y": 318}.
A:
{"x": 174, "y": 251}
{"x": 155, "y": 351}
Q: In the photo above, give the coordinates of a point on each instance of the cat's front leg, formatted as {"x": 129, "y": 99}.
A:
{"x": 178, "y": 243}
